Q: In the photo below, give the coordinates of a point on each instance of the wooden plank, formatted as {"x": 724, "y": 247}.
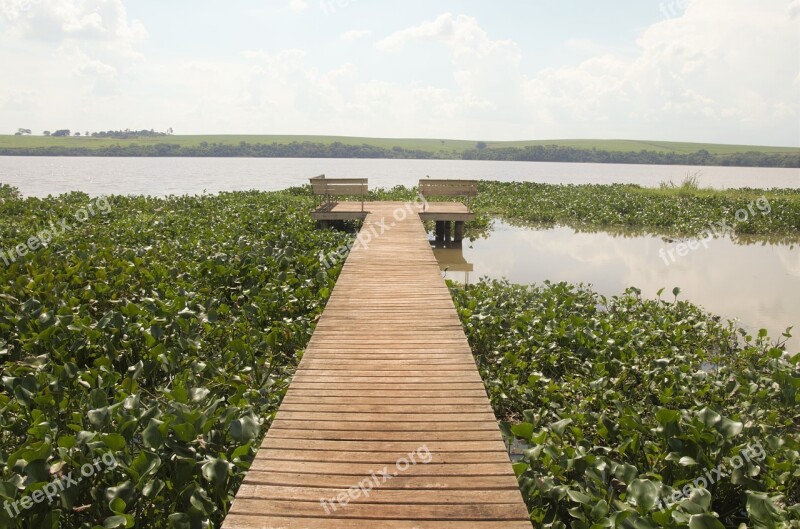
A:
{"x": 443, "y": 181}
{"x": 408, "y": 511}
{"x": 251, "y": 521}
{"x": 411, "y": 435}
{"x": 345, "y": 189}
{"x": 362, "y": 470}
{"x": 387, "y": 446}
{"x": 429, "y": 188}
{"x": 380, "y": 458}
{"x": 449, "y": 191}
{"x": 287, "y": 479}
{"x": 441, "y": 496}
{"x": 386, "y": 387}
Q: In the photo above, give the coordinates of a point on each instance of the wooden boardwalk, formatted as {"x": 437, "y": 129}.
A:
{"x": 387, "y": 377}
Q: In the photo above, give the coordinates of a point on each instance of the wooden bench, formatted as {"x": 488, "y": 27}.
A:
{"x": 449, "y": 188}
{"x": 328, "y": 188}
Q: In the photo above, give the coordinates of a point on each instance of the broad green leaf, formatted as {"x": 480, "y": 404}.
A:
{"x": 245, "y": 429}
{"x": 579, "y": 497}
{"x": 704, "y": 521}
{"x": 644, "y": 492}
{"x": 559, "y": 427}
{"x": 709, "y": 417}
{"x": 762, "y": 511}
{"x": 152, "y": 434}
{"x": 522, "y": 430}
{"x": 179, "y": 520}
{"x": 729, "y": 428}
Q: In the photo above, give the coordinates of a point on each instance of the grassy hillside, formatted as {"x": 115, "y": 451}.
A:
{"x": 427, "y": 145}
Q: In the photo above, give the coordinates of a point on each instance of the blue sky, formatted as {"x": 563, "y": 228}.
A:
{"x": 685, "y": 70}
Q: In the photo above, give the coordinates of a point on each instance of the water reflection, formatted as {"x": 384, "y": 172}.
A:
{"x": 758, "y": 283}
{"x": 452, "y": 261}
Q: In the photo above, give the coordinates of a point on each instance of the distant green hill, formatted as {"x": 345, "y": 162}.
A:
{"x": 571, "y": 151}
{"x": 436, "y": 146}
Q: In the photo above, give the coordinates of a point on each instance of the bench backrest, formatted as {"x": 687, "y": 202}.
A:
{"x": 318, "y": 184}
{"x": 339, "y": 186}
{"x": 448, "y": 188}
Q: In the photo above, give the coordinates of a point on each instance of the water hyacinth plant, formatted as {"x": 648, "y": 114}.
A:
{"x": 622, "y": 402}
{"x": 164, "y": 333}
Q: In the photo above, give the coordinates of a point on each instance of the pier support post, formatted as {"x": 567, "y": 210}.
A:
{"x": 458, "y": 236}
{"x": 448, "y": 232}
{"x": 440, "y": 231}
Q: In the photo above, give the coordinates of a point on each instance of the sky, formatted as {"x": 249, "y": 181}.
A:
{"x": 720, "y": 71}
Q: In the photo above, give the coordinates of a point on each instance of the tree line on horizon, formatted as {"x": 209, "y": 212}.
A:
{"x": 537, "y": 153}
{"x": 126, "y": 134}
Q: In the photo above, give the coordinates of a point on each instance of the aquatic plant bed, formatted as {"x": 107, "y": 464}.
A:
{"x": 676, "y": 211}
{"x": 145, "y": 345}
{"x": 144, "y": 351}
{"x": 638, "y": 413}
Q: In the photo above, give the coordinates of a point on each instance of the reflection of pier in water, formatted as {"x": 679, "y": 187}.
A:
{"x": 450, "y": 256}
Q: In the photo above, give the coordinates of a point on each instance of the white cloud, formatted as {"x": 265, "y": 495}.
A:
{"x": 716, "y": 68}
{"x": 356, "y": 34}
{"x": 716, "y": 71}
{"x": 103, "y": 21}
{"x": 723, "y": 70}
{"x": 486, "y": 71}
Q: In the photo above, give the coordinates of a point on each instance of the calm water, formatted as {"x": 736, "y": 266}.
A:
{"x": 759, "y": 283}
{"x": 40, "y": 176}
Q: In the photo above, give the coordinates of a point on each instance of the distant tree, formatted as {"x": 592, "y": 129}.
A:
{"x": 77, "y": 134}
{"x": 17, "y": 134}
{"x": 23, "y": 131}
{"x": 46, "y": 133}
{"x": 62, "y": 132}
{"x": 169, "y": 130}
{"x": 481, "y": 145}
{"x": 87, "y": 133}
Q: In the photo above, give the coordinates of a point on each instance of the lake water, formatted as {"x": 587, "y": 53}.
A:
{"x": 40, "y": 176}
{"x": 757, "y": 283}
{"x": 760, "y": 284}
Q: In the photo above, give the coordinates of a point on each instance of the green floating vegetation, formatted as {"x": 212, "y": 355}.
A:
{"x": 163, "y": 335}
{"x": 638, "y": 413}
{"x": 683, "y": 210}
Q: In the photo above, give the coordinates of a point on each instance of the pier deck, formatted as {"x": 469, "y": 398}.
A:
{"x": 387, "y": 411}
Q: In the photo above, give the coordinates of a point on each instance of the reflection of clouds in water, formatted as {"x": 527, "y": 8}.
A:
{"x": 496, "y": 264}
{"x": 790, "y": 260}
{"x": 755, "y": 283}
